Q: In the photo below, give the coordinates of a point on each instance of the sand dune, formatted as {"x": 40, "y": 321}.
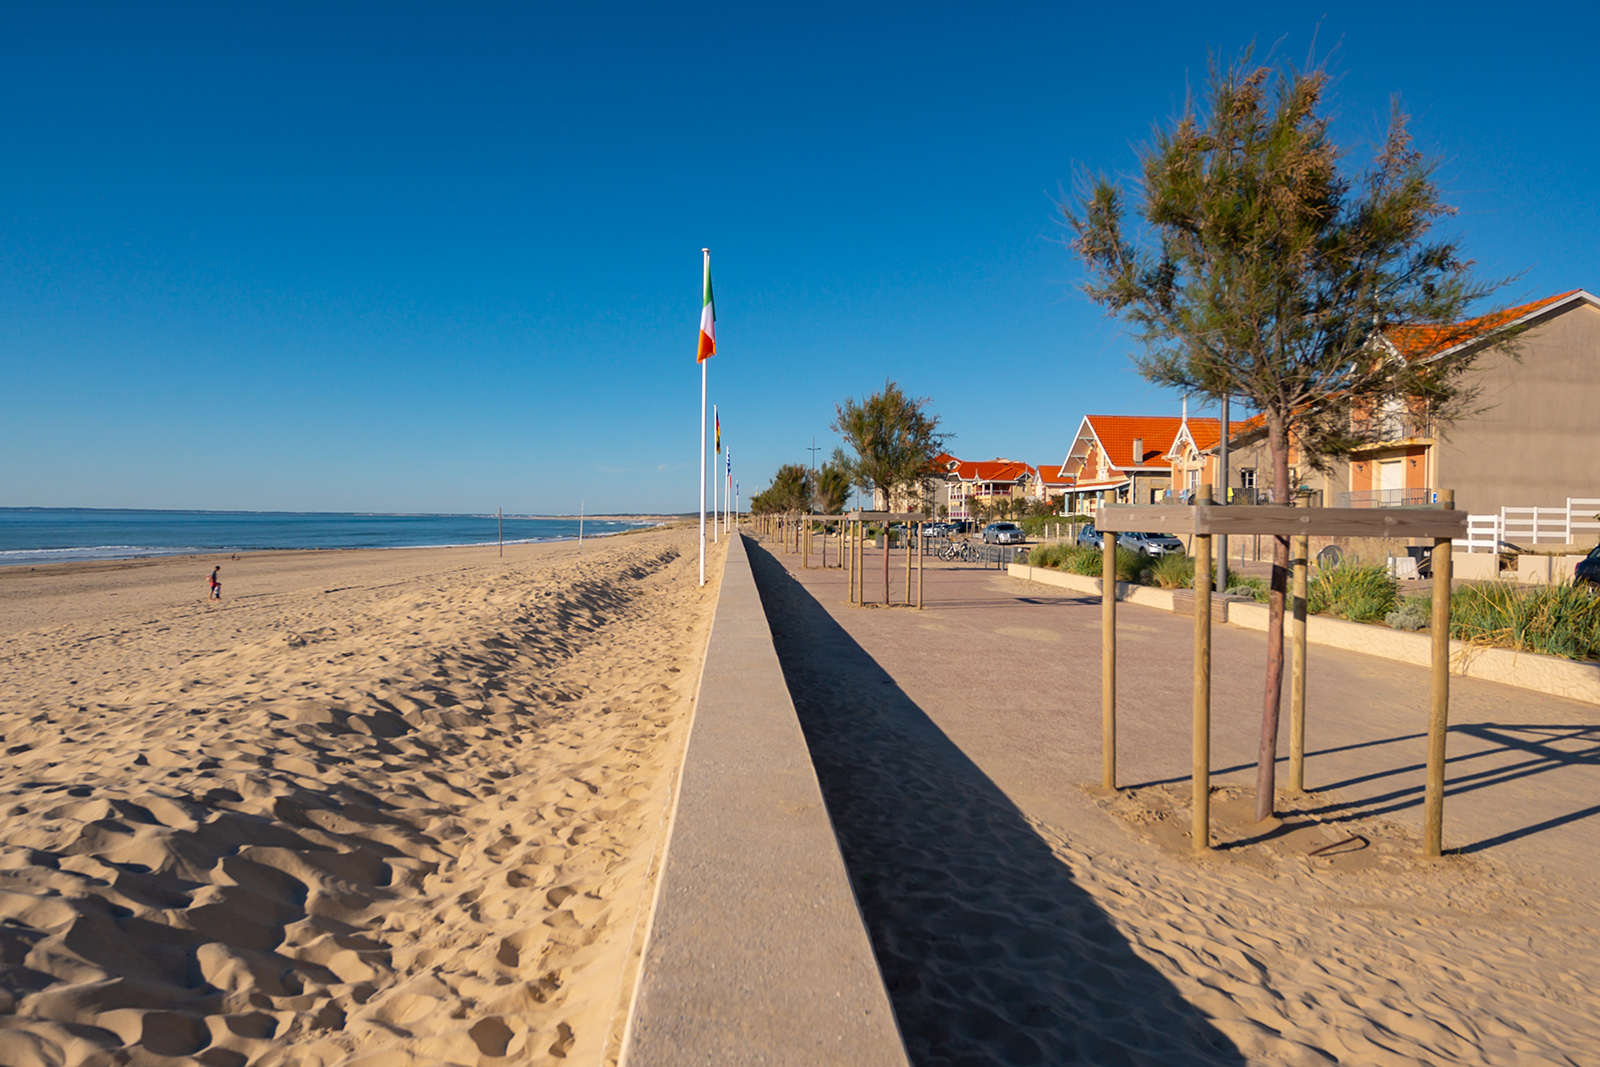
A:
{"x": 372, "y": 808}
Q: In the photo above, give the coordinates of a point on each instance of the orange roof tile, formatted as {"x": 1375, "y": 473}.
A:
{"x": 1427, "y": 339}
{"x": 1050, "y": 474}
{"x": 1118, "y": 433}
{"x": 998, "y": 470}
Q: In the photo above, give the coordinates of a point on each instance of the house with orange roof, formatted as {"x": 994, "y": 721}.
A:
{"x": 1120, "y": 459}
{"x": 1045, "y": 483}
{"x": 984, "y": 482}
{"x": 1529, "y": 443}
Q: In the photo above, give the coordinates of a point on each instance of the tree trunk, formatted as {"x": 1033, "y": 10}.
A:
{"x": 1272, "y": 698}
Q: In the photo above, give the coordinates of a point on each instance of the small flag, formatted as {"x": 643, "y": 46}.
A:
{"x": 719, "y": 428}
{"x": 708, "y": 321}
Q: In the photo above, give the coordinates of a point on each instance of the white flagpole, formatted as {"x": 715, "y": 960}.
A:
{"x": 727, "y": 497}
{"x": 703, "y": 465}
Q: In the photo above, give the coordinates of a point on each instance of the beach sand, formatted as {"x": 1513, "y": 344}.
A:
{"x": 378, "y": 807}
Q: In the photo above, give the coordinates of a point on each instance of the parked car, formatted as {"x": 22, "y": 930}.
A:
{"x": 1151, "y": 544}
{"x": 1003, "y": 533}
{"x": 1588, "y": 569}
{"x": 1091, "y": 538}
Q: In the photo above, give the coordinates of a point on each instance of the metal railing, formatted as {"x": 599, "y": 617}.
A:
{"x": 1391, "y": 426}
{"x": 1388, "y": 498}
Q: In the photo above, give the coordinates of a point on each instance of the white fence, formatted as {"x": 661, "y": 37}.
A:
{"x": 1524, "y": 527}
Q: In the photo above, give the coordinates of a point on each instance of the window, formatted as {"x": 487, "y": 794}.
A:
{"x": 1247, "y": 477}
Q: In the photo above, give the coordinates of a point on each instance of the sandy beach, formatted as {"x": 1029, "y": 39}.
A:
{"x": 371, "y": 807}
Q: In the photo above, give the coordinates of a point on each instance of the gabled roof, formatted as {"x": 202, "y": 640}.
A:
{"x": 998, "y": 470}
{"x": 1116, "y": 434}
{"x": 1423, "y": 340}
{"x": 1050, "y": 474}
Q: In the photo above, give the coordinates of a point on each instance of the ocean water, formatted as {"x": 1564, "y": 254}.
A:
{"x": 58, "y": 535}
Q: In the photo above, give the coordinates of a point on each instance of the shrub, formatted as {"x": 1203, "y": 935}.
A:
{"x": 1050, "y": 555}
{"x": 1557, "y": 620}
{"x": 1411, "y": 615}
{"x": 1360, "y": 593}
{"x": 1248, "y": 585}
{"x": 1173, "y": 572}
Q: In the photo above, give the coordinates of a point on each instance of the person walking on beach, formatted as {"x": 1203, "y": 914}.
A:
{"x": 216, "y": 583}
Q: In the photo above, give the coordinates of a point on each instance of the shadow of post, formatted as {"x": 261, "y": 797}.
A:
{"x": 991, "y": 951}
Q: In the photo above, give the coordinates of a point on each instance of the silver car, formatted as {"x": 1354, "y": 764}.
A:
{"x": 1003, "y": 533}
{"x": 1151, "y": 544}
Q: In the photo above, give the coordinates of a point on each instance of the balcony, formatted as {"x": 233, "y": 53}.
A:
{"x": 1391, "y": 428}
{"x": 1388, "y": 498}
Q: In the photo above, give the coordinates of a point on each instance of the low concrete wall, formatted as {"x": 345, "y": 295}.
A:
{"x": 1525, "y": 670}
{"x": 1475, "y": 566}
{"x": 1142, "y": 595}
{"x": 756, "y": 952}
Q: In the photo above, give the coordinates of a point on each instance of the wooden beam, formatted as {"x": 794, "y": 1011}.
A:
{"x": 1284, "y": 521}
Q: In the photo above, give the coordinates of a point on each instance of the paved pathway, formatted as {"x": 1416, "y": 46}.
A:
{"x": 951, "y": 745}
{"x": 1010, "y": 670}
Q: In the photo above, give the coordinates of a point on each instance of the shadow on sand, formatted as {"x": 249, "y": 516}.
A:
{"x": 992, "y": 953}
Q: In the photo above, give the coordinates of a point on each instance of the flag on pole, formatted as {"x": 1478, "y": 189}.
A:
{"x": 718, "y": 420}
{"x": 708, "y": 322}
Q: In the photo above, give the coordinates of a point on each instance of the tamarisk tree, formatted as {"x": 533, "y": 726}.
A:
{"x": 1263, "y": 270}
{"x": 895, "y": 441}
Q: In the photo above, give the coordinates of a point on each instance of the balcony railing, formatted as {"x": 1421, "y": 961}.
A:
{"x": 1388, "y": 498}
{"x": 1391, "y": 426}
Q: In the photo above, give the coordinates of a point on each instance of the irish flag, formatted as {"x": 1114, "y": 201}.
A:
{"x": 708, "y": 320}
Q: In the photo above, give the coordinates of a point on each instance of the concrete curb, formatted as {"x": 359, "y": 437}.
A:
{"x": 756, "y": 951}
{"x": 1525, "y": 670}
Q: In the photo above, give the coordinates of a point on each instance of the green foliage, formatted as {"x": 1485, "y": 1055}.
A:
{"x": 1557, "y": 620}
{"x": 1174, "y": 571}
{"x": 1411, "y": 615}
{"x": 894, "y": 438}
{"x": 832, "y": 489}
{"x": 1248, "y": 585}
{"x": 790, "y": 490}
{"x": 1360, "y": 593}
{"x": 1266, "y": 270}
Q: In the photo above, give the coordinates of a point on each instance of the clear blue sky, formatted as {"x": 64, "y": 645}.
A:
{"x": 447, "y": 257}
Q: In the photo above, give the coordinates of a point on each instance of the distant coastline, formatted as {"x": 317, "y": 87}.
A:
{"x": 33, "y": 536}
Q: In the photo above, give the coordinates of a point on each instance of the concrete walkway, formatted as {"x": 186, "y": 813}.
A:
{"x": 1011, "y": 671}
{"x": 991, "y": 695}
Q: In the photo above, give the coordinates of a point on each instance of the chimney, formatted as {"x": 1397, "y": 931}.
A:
{"x": 1138, "y": 451}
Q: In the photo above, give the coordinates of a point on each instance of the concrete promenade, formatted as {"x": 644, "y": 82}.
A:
{"x": 950, "y": 741}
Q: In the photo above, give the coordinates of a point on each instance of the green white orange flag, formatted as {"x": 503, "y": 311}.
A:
{"x": 708, "y": 321}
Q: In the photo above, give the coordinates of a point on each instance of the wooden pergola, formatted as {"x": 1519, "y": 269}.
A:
{"x": 1205, "y": 520}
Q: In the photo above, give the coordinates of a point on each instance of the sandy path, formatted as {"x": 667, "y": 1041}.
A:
{"x": 373, "y": 807}
{"x": 1019, "y": 920}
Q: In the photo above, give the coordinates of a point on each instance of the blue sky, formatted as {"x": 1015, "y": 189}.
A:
{"x": 447, "y": 257}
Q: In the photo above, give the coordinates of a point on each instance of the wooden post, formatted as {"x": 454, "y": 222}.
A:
{"x": 847, "y": 541}
{"x": 908, "y": 564}
{"x": 1439, "y": 711}
{"x": 1200, "y": 830}
{"x": 1297, "y": 676}
{"x": 500, "y": 530}
{"x": 922, "y": 552}
{"x": 1108, "y": 660}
